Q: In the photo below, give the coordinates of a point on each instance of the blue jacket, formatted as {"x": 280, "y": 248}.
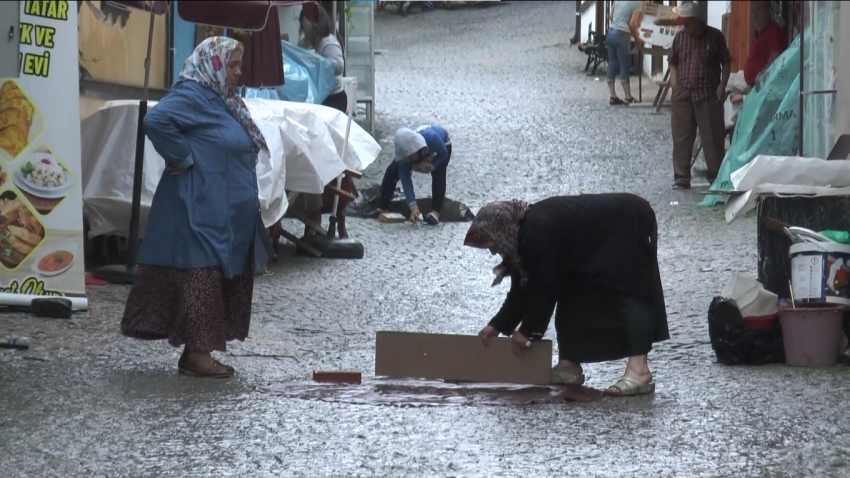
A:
{"x": 437, "y": 138}
{"x": 210, "y": 215}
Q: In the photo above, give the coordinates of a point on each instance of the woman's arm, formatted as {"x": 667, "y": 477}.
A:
{"x": 441, "y": 153}
{"x": 166, "y": 124}
{"x": 634, "y": 26}
{"x": 540, "y": 247}
{"x": 405, "y": 175}
{"x": 333, "y": 52}
{"x": 510, "y": 314}
{"x": 541, "y": 301}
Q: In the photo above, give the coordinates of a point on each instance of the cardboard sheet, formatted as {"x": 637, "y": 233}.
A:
{"x": 460, "y": 358}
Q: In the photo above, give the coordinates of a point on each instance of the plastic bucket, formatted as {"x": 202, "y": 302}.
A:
{"x": 820, "y": 273}
{"x": 811, "y": 335}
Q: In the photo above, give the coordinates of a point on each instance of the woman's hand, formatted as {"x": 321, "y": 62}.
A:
{"x": 174, "y": 171}
{"x": 519, "y": 343}
{"x": 488, "y": 333}
{"x": 415, "y": 215}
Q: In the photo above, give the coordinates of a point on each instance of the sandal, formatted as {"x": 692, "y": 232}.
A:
{"x": 631, "y": 100}
{"x": 615, "y": 101}
{"x": 627, "y": 387}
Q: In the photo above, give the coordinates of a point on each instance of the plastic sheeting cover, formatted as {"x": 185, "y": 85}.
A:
{"x": 309, "y": 137}
{"x": 309, "y": 78}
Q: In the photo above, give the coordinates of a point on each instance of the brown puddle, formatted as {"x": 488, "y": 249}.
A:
{"x": 430, "y": 393}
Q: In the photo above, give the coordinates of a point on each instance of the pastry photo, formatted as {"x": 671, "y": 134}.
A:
{"x": 44, "y": 180}
{"x": 20, "y": 121}
{"x": 20, "y": 231}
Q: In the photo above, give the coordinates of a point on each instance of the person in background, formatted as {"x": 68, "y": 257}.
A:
{"x": 699, "y": 71}
{"x": 425, "y": 149}
{"x": 202, "y": 248}
{"x": 566, "y": 255}
{"x": 625, "y": 19}
{"x": 769, "y": 41}
{"x": 318, "y": 28}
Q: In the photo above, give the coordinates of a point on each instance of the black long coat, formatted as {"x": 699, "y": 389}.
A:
{"x": 589, "y": 255}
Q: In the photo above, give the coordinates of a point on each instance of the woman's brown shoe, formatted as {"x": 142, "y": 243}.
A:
{"x": 185, "y": 356}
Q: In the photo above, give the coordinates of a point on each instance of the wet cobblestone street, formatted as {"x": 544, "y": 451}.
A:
{"x": 525, "y": 122}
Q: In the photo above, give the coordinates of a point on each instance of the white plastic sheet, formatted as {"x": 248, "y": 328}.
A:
{"x": 785, "y": 176}
{"x": 305, "y": 143}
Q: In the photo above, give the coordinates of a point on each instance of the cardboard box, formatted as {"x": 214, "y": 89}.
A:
{"x": 461, "y": 358}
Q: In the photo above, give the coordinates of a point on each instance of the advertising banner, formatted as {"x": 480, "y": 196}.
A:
{"x": 658, "y": 27}
{"x": 41, "y": 210}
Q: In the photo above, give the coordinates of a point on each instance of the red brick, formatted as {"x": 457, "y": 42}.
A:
{"x": 337, "y": 376}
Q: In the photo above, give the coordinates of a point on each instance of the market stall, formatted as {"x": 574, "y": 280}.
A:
{"x": 306, "y": 145}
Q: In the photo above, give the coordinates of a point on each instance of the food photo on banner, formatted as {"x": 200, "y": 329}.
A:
{"x": 41, "y": 219}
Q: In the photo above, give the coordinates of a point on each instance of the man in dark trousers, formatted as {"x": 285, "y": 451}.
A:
{"x": 699, "y": 72}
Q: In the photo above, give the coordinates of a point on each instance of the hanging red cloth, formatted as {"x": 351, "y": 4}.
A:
{"x": 262, "y": 62}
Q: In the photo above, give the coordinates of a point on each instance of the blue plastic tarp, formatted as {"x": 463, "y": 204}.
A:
{"x": 767, "y": 123}
{"x": 309, "y": 78}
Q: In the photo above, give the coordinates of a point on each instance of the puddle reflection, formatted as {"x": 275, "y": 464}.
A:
{"x": 430, "y": 393}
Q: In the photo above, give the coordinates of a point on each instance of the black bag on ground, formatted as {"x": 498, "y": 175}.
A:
{"x": 733, "y": 344}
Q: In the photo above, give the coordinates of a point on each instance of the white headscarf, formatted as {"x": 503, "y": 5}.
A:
{"x": 206, "y": 66}
{"x": 407, "y": 142}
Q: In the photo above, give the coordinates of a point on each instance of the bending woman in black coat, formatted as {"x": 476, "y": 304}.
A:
{"x": 594, "y": 257}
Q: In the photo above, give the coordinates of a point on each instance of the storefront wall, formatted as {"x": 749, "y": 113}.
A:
{"x": 821, "y": 73}
{"x": 842, "y": 83}
{"x": 113, "y": 52}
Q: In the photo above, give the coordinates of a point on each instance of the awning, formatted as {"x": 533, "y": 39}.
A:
{"x": 240, "y": 15}
{"x": 263, "y": 60}
{"x": 157, "y": 8}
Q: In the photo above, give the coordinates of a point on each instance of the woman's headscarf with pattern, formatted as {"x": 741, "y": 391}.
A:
{"x": 206, "y": 66}
{"x": 498, "y": 223}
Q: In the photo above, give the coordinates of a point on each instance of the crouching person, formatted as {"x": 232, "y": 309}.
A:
{"x": 426, "y": 149}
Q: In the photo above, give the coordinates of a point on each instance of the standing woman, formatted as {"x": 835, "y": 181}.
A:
{"x": 318, "y": 28}
{"x": 592, "y": 256}
{"x": 625, "y": 19}
{"x": 204, "y": 239}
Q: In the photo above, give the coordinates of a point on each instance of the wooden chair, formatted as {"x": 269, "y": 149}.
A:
{"x": 340, "y": 190}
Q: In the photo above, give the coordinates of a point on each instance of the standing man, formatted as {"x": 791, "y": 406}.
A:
{"x": 699, "y": 72}
{"x": 768, "y": 43}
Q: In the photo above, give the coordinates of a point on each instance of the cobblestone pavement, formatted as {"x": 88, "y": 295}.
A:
{"x": 526, "y": 122}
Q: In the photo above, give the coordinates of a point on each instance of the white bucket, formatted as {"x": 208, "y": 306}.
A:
{"x": 820, "y": 273}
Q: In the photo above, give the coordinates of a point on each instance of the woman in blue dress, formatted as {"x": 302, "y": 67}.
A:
{"x": 204, "y": 239}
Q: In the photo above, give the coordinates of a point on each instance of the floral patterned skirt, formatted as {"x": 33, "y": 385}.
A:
{"x": 193, "y": 307}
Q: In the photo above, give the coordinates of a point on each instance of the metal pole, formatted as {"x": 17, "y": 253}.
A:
{"x": 577, "y": 36}
{"x": 140, "y": 161}
{"x": 127, "y": 274}
{"x": 802, "y": 79}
